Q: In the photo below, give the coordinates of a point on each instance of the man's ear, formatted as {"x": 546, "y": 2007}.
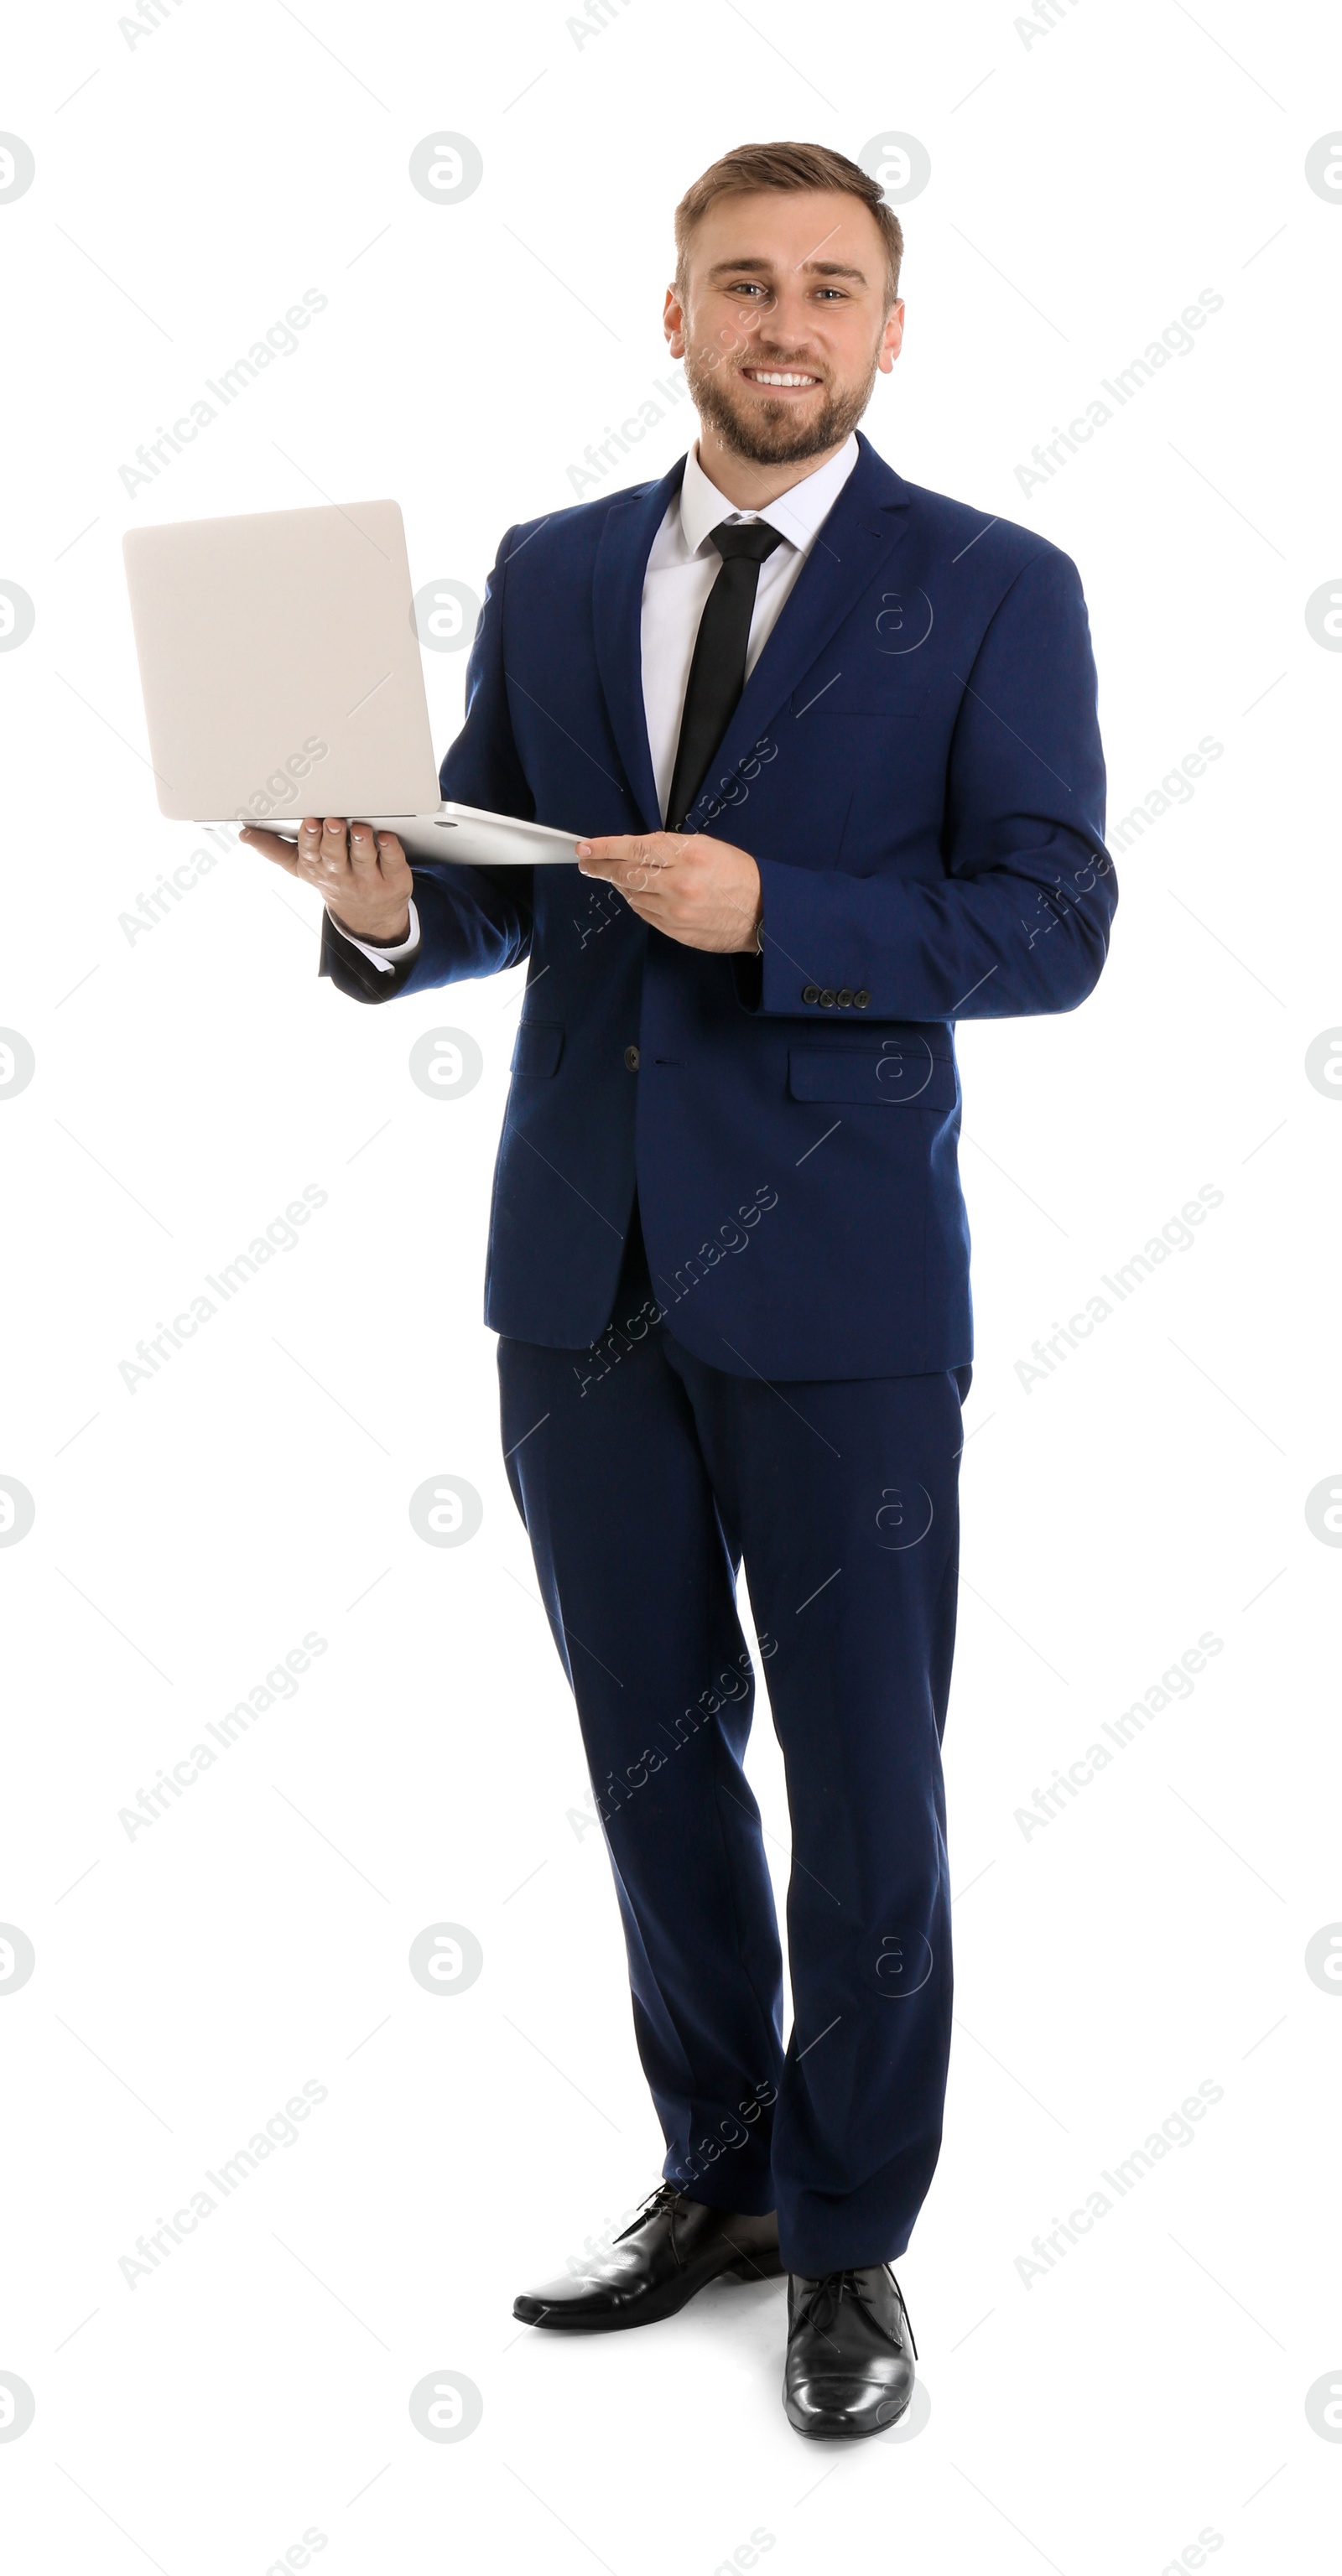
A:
{"x": 673, "y": 323}
{"x": 892, "y": 338}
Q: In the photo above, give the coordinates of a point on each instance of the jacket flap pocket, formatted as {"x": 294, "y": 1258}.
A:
{"x": 902, "y": 1073}
{"x": 539, "y": 1046}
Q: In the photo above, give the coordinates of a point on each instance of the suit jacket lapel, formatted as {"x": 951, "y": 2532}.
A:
{"x": 865, "y": 528}
{"x": 617, "y": 607}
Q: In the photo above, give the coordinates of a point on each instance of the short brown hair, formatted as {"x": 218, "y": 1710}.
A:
{"x": 754, "y": 166}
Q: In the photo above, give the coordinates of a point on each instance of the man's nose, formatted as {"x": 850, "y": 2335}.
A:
{"x": 781, "y": 329}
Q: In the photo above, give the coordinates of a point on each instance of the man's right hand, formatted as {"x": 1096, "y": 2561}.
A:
{"x": 362, "y": 876}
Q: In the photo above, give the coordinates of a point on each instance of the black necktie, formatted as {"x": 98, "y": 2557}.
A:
{"x": 718, "y": 670}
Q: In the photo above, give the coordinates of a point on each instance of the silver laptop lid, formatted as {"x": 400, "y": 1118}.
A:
{"x": 280, "y": 665}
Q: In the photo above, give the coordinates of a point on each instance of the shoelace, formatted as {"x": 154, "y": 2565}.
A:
{"x": 831, "y": 2290}
{"x": 657, "y": 2201}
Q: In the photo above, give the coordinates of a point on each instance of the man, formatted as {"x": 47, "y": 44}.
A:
{"x": 834, "y": 738}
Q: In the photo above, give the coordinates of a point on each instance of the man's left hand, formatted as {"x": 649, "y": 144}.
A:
{"x": 692, "y": 888}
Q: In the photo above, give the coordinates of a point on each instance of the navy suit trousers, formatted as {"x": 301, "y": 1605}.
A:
{"x": 646, "y": 1478}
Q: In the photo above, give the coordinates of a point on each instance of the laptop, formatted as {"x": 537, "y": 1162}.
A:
{"x": 281, "y": 672}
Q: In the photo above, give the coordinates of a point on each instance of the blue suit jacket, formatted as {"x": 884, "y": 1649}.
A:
{"x": 915, "y": 764}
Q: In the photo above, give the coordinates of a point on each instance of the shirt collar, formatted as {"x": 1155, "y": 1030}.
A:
{"x": 797, "y": 513}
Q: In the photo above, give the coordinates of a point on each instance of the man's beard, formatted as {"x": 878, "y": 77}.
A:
{"x": 772, "y": 435}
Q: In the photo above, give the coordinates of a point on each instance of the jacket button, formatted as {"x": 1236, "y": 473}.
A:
{"x": 827, "y": 1001}
{"x": 845, "y": 999}
{"x": 810, "y": 993}
{"x": 860, "y": 1001}
{"x": 631, "y": 1058}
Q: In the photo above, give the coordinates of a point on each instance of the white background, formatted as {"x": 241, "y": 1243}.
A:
{"x": 1085, "y": 187}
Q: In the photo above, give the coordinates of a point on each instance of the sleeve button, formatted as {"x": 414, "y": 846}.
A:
{"x": 845, "y": 999}
{"x": 861, "y": 1001}
{"x": 827, "y": 1001}
{"x": 810, "y": 993}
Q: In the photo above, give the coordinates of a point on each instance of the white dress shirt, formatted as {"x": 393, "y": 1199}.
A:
{"x": 681, "y": 571}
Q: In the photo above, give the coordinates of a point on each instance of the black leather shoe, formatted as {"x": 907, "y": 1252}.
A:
{"x": 850, "y": 2353}
{"x": 674, "y": 2248}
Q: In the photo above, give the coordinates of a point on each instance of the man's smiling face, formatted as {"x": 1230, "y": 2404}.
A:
{"x": 784, "y": 321}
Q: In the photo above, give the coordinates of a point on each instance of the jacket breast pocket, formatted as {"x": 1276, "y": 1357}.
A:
{"x": 904, "y": 1073}
{"x": 859, "y": 690}
{"x": 538, "y": 1048}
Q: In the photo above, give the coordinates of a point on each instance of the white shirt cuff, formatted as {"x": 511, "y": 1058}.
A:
{"x": 387, "y": 958}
